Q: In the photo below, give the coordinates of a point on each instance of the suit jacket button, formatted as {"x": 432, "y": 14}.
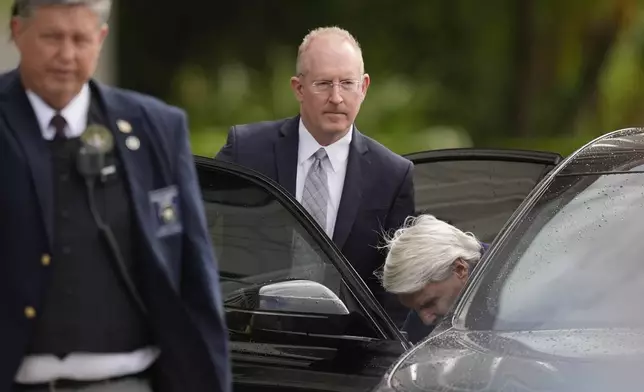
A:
{"x": 30, "y": 312}
{"x": 45, "y": 259}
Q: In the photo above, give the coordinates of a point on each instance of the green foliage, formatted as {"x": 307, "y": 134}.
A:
{"x": 536, "y": 74}
{"x": 236, "y": 94}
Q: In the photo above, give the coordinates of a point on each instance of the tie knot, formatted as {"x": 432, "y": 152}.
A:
{"x": 320, "y": 154}
{"x": 59, "y": 123}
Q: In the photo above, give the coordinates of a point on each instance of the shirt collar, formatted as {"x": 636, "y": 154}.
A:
{"x": 75, "y": 113}
{"x": 338, "y": 152}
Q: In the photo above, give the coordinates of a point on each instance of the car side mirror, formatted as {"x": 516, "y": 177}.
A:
{"x": 300, "y": 296}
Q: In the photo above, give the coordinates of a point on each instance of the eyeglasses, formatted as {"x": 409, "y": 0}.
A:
{"x": 326, "y": 86}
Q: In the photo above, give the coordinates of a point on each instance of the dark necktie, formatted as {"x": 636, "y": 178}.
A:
{"x": 59, "y": 123}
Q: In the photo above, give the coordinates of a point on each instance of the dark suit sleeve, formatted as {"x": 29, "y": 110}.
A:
{"x": 200, "y": 275}
{"x": 404, "y": 205}
{"x": 228, "y": 152}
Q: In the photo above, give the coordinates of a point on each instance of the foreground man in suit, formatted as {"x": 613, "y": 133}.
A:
{"x": 109, "y": 281}
{"x": 353, "y": 186}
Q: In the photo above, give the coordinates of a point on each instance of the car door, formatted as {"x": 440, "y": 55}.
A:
{"x": 347, "y": 342}
{"x": 477, "y": 190}
{"x": 298, "y": 315}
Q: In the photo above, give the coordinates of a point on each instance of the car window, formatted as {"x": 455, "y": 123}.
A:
{"x": 576, "y": 261}
{"x": 260, "y": 244}
{"x": 476, "y": 193}
{"x": 256, "y": 239}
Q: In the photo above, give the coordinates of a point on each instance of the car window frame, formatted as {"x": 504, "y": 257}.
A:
{"x": 376, "y": 315}
{"x": 494, "y": 154}
{"x": 489, "y": 154}
{"x": 550, "y": 160}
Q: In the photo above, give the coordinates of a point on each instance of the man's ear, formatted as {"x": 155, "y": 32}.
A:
{"x": 297, "y": 87}
{"x": 461, "y": 269}
{"x": 105, "y": 29}
{"x": 366, "y": 81}
{"x": 15, "y": 27}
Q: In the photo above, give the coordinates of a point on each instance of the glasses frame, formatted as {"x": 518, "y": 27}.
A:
{"x": 329, "y": 85}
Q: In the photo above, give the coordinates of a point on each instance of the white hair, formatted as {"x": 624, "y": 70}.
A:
{"x": 423, "y": 251}
{"x": 325, "y": 31}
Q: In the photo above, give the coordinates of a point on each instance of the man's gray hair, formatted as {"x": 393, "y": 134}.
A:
{"x": 423, "y": 251}
{"x": 25, "y": 8}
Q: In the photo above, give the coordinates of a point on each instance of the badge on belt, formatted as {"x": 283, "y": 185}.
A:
{"x": 165, "y": 204}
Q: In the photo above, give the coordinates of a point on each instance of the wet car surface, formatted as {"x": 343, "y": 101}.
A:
{"x": 555, "y": 305}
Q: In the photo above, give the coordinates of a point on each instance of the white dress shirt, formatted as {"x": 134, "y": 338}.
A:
{"x": 75, "y": 113}
{"x": 77, "y": 366}
{"x": 335, "y": 166}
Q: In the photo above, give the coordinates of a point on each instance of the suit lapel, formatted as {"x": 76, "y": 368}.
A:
{"x": 136, "y": 148}
{"x": 126, "y": 124}
{"x": 24, "y": 126}
{"x": 352, "y": 191}
{"x": 286, "y": 154}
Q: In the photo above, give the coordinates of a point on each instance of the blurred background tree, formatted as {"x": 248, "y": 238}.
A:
{"x": 537, "y": 74}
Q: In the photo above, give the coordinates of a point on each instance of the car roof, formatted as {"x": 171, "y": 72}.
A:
{"x": 618, "y": 151}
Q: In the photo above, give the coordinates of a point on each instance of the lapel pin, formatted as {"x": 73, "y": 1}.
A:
{"x": 168, "y": 214}
{"x": 133, "y": 143}
{"x": 124, "y": 126}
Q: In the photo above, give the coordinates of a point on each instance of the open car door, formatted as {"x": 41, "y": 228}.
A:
{"x": 299, "y": 317}
{"x": 477, "y": 190}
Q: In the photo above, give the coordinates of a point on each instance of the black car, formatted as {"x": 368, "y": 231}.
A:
{"x": 312, "y": 324}
{"x": 554, "y": 306}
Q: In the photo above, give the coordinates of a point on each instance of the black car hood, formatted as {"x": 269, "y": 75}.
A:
{"x": 562, "y": 360}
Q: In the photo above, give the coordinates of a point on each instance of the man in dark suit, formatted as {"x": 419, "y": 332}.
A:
{"x": 109, "y": 280}
{"x": 353, "y": 186}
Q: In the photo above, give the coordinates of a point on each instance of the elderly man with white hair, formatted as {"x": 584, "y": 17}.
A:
{"x": 428, "y": 263}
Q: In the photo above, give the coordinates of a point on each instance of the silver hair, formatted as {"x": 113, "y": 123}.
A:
{"x": 423, "y": 251}
{"x": 25, "y": 8}
{"x": 325, "y": 31}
